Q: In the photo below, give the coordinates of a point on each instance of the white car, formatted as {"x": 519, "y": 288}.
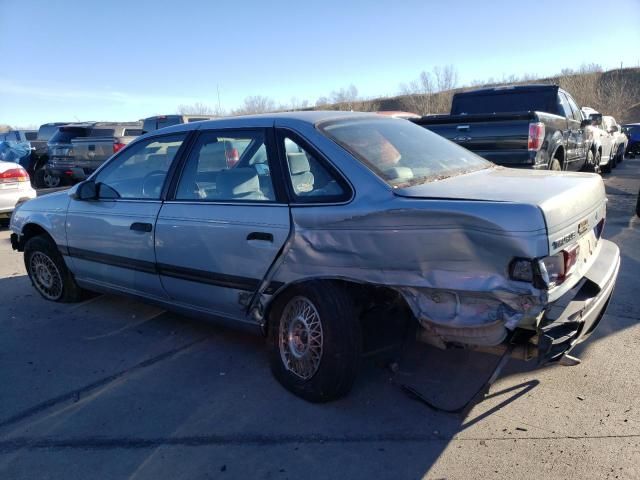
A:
{"x": 15, "y": 188}
{"x": 620, "y": 140}
{"x": 601, "y": 141}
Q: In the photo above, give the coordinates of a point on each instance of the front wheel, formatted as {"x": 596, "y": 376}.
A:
{"x": 315, "y": 341}
{"x": 48, "y": 272}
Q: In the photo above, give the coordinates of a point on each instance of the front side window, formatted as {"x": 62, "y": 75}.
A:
{"x": 139, "y": 171}
{"x": 400, "y": 152}
{"x": 227, "y": 166}
{"x": 310, "y": 180}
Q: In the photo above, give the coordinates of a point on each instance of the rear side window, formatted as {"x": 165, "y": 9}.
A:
{"x": 31, "y": 135}
{"x": 66, "y": 134}
{"x": 311, "y": 181}
{"x": 565, "y": 109}
{"x": 577, "y": 114}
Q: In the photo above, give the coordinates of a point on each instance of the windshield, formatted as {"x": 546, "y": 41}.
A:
{"x": 401, "y": 152}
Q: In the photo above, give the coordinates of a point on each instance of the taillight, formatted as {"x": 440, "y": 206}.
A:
{"x": 536, "y": 136}
{"x": 232, "y": 157}
{"x": 547, "y": 272}
{"x": 14, "y": 175}
{"x": 117, "y": 146}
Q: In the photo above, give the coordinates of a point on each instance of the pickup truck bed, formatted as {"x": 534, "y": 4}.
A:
{"x": 492, "y": 122}
{"x": 501, "y": 138}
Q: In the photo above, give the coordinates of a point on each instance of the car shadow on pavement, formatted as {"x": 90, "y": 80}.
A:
{"x": 169, "y": 385}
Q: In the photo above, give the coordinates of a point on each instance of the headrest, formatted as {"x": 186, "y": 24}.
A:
{"x": 237, "y": 182}
{"x": 298, "y": 163}
{"x": 398, "y": 173}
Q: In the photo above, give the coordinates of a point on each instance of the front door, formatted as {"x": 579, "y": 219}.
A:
{"x": 111, "y": 238}
{"x": 225, "y": 223}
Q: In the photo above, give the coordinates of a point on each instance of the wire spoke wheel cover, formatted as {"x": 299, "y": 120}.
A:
{"x": 46, "y": 276}
{"x": 301, "y": 338}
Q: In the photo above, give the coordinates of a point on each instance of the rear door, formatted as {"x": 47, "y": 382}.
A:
{"x": 111, "y": 239}
{"x": 224, "y": 224}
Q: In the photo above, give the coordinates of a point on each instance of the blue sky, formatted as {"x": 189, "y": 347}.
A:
{"x": 123, "y": 60}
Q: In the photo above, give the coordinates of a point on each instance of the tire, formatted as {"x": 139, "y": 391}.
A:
{"x": 555, "y": 165}
{"x": 591, "y": 165}
{"x": 326, "y": 369}
{"x": 613, "y": 161}
{"x": 620, "y": 154}
{"x": 46, "y": 180}
{"x": 48, "y": 273}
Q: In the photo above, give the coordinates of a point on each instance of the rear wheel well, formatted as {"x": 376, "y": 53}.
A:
{"x": 559, "y": 155}
{"x": 382, "y": 311}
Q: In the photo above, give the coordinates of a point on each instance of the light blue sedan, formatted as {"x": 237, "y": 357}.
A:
{"x": 326, "y": 231}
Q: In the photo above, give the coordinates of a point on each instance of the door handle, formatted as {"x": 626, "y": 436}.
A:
{"x": 264, "y": 236}
{"x": 141, "y": 227}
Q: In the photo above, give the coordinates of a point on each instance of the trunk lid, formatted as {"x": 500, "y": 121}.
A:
{"x": 573, "y": 204}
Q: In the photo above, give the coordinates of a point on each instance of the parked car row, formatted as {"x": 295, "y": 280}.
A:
{"x": 531, "y": 126}
{"x": 64, "y": 153}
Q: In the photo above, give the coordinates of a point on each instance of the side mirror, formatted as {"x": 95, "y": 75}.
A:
{"x": 585, "y": 123}
{"x": 86, "y": 191}
{"x": 596, "y": 118}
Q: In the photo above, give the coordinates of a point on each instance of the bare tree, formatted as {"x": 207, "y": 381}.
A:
{"x": 431, "y": 92}
{"x": 418, "y": 94}
{"x": 197, "y": 108}
{"x": 322, "y": 103}
{"x": 345, "y": 98}
{"x": 256, "y": 104}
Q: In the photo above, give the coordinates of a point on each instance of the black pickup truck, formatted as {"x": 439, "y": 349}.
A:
{"x": 530, "y": 126}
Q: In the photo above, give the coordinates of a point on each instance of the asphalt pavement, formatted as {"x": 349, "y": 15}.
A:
{"x": 113, "y": 388}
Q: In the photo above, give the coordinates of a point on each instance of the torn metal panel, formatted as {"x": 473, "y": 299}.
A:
{"x": 450, "y": 266}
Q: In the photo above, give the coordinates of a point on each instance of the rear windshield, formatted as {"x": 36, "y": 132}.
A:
{"x": 66, "y": 134}
{"x": 504, "y": 102}
{"x": 45, "y": 132}
{"x": 401, "y": 152}
{"x": 102, "y": 132}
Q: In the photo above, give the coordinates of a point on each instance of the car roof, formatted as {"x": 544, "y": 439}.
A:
{"x": 267, "y": 119}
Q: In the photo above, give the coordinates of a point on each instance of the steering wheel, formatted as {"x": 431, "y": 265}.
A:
{"x": 152, "y": 183}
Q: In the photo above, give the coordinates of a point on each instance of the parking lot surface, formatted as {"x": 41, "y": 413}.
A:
{"x": 113, "y": 388}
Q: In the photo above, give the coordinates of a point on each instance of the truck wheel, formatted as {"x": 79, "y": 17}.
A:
{"x": 620, "y": 154}
{"x": 315, "y": 341}
{"x": 591, "y": 165}
{"x": 45, "y": 180}
{"x": 555, "y": 165}
{"x": 48, "y": 272}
